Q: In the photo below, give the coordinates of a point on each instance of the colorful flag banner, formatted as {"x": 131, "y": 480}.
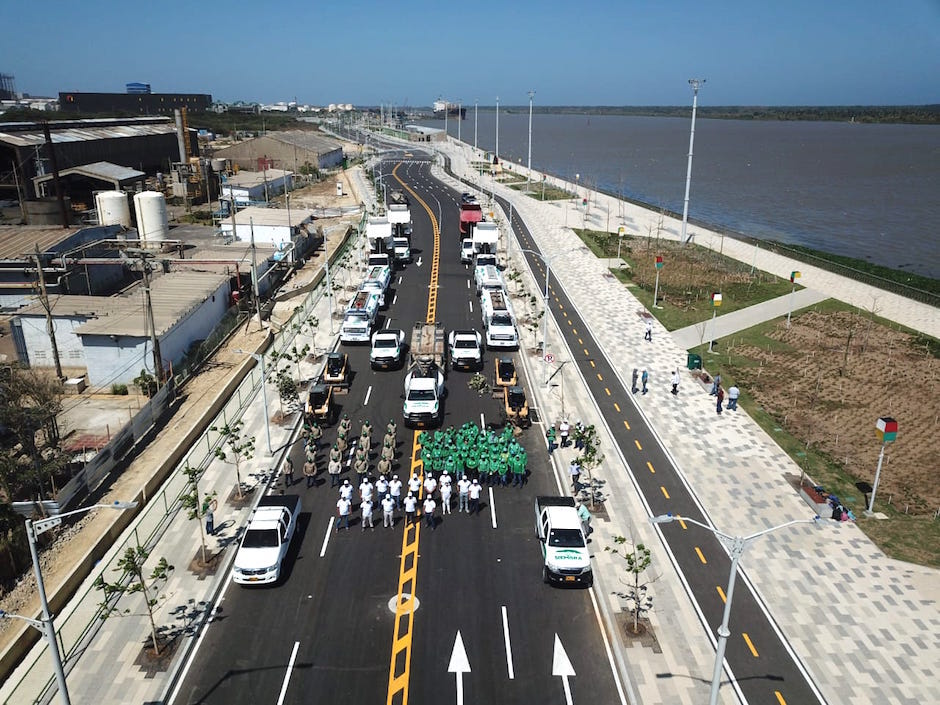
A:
{"x": 716, "y": 299}
{"x": 659, "y": 262}
{"x": 794, "y": 276}
{"x": 887, "y": 429}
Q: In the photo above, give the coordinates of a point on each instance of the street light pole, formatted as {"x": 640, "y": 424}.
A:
{"x": 476, "y": 105}
{"x": 695, "y": 83}
{"x": 528, "y": 177}
{"x": 735, "y": 546}
{"x": 496, "y": 153}
{"x": 459, "y": 117}
{"x": 259, "y": 358}
{"x": 33, "y": 530}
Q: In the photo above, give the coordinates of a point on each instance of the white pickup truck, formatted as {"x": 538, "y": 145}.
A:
{"x": 424, "y": 383}
{"x": 565, "y": 555}
{"x": 386, "y": 350}
{"x": 466, "y": 349}
{"x": 261, "y": 552}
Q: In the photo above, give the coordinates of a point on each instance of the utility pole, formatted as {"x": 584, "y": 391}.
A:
{"x": 476, "y": 105}
{"x": 496, "y": 153}
{"x": 254, "y": 273}
{"x": 50, "y": 327}
{"x": 528, "y": 177}
{"x": 459, "y": 117}
{"x": 154, "y": 339}
{"x": 695, "y": 83}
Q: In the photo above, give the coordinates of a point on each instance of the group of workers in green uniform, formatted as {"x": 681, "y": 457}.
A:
{"x": 491, "y": 458}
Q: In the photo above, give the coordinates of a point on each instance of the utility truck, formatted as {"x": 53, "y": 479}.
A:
{"x": 359, "y": 318}
{"x": 471, "y": 213}
{"x": 399, "y": 216}
{"x": 565, "y": 555}
{"x": 379, "y": 234}
{"x": 487, "y": 277}
{"x": 386, "y": 349}
{"x": 498, "y": 320}
{"x": 264, "y": 545}
{"x": 424, "y": 383}
{"x": 377, "y": 280}
{"x": 466, "y": 349}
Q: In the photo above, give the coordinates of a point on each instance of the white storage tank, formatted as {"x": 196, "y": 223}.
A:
{"x": 113, "y": 208}
{"x": 218, "y": 165}
{"x": 152, "y": 223}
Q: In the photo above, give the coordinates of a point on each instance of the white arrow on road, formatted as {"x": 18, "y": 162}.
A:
{"x": 460, "y": 665}
{"x": 561, "y": 666}
{"x": 419, "y": 261}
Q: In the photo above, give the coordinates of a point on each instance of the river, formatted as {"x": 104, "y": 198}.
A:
{"x": 865, "y": 191}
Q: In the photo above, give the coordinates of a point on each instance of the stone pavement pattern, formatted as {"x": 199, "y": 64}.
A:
{"x": 867, "y": 627}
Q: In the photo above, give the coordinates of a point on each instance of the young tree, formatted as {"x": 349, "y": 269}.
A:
{"x": 195, "y": 507}
{"x": 132, "y": 564}
{"x": 240, "y": 448}
{"x": 590, "y": 456}
{"x": 637, "y": 557}
{"x": 146, "y": 383}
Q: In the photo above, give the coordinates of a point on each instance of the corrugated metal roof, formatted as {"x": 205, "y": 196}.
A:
{"x": 247, "y": 179}
{"x": 84, "y": 133}
{"x": 313, "y": 141}
{"x": 269, "y": 216}
{"x": 74, "y": 305}
{"x": 104, "y": 171}
{"x": 17, "y": 242}
{"x": 173, "y": 296}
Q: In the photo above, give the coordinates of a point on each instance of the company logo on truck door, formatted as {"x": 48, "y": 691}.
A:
{"x": 568, "y": 554}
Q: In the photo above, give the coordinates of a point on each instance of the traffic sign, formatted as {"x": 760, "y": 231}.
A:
{"x": 549, "y": 358}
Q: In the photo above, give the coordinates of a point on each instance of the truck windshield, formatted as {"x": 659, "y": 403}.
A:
{"x": 565, "y": 538}
{"x": 465, "y": 343}
{"x": 421, "y": 395}
{"x": 385, "y": 343}
{"x": 501, "y": 319}
{"x": 261, "y": 538}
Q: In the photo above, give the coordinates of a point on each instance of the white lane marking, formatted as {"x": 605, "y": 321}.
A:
{"x": 471, "y": 305}
{"x": 368, "y": 394}
{"x": 482, "y": 422}
{"x": 512, "y": 672}
{"x": 468, "y": 283}
{"x": 394, "y": 299}
{"x": 388, "y": 322}
{"x": 610, "y": 655}
{"x": 492, "y": 507}
{"x": 326, "y": 537}
{"x": 399, "y": 280}
{"x": 290, "y": 667}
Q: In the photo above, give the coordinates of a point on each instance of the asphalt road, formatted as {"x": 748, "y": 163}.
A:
{"x": 325, "y": 632}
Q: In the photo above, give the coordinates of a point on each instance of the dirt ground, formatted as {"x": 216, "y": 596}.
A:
{"x": 830, "y": 376}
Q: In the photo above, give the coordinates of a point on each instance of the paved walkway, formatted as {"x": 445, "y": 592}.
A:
{"x": 865, "y": 626}
{"x": 727, "y": 323}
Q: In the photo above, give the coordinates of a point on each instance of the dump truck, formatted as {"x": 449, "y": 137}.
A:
{"x": 424, "y": 383}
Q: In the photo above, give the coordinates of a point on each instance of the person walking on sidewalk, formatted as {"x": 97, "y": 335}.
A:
{"x": 564, "y": 429}
{"x": 343, "y": 508}
{"x": 645, "y": 378}
{"x": 388, "y": 512}
{"x": 579, "y": 435}
{"x": 584, "y": 514}
{"x": 575, "y": 471}
{"x": 209, "y": 512}
{"x": 550, "y": 438}
{"x": 288, "y": 471}
{"x": 633, "y": 387}
{"x": 721, "y": 398}
{"x": 648, "y": 335}
{"x": 716, "y": 384}
{"x": 733, "y": 394}
{"x": 675, "y": 382}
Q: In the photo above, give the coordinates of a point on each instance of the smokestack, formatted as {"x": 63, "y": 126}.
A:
{"x": 180, "y": 135}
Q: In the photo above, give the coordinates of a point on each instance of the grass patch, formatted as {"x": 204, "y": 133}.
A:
{"x": 541, "y": 191}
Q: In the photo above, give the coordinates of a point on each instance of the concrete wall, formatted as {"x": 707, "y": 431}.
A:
{"x": 38, "y": 347}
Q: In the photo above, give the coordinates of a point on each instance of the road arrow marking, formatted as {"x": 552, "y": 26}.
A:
{"x": 460, "y": 665}
{"x": 419, "y": 261}
{"x": 561, "y": 666}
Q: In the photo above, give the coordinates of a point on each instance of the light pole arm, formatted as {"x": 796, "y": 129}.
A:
{"x": 747, "y": 539}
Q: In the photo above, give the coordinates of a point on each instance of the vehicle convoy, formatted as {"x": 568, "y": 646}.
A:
{"x": 320, "y": 403}
{"x": 565, "y": 555}
{"x": 498, "y": 320}
{"x": 424, "y": 383}
{"x": 467, "y": 250}
{"x": 261, "y": 552}
{"x": 516, "y": 406}
{"x": 386, "y": 349}
{"x": 399, "y": 216}
{"x": 466, "y": 349}
{"x": 379, "y": 258}
{"x": 402, "y": 249}
{"x": 359, "y": 318}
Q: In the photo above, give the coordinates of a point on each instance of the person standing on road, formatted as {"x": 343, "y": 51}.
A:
{"x": 648, "y": 335}
{"x": 346, "y": 490}
{"x": 550, "y": 438}
{"x": 336, "y": 453}
{"x": 414, "y": 484}
{"x": 474, "y": 494}
{"x": 644, "y": 379}
{"x": 334, "y": 469}
{"x": 343, "y": 508}
{"x": 429, "y": 506}
{"x": 463, "y": 494}
{"x": 314, "y": 434}
{"x": 564, "y": 428}
{"x": 365, "y": 509}
{"x": 394, "y": 488}
{"x": 446, "y": 490}
{"x": 733, "y": 394}
{"x": 575, "y": 471}
{"x": 310, "y": 472}
{"x": 388, "y": 512}
{"x": 381, "y": 486}
{"x": 365, "y": 489}
{"x": 288, "y": 471}
{"x": 430, "y": 485}
{"x": 721, "y": 398}
{"x": 411, "y": 509}
{"x": 675, "y": 382}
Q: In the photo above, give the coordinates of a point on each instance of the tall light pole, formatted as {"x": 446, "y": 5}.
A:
{"x": 496, "y": 153}
{"x": 528, "y": 177}
{"x": 259, "y": 358}
{"x": 476, "y": 105}
{"x": 446, "y": 110}
{"x": 547, "y": 261}
{"x": 45, "y": 625}
{"x": 696, "y": 84}
{"x": 735, "y": 546}
{"x": 459, "y": 117}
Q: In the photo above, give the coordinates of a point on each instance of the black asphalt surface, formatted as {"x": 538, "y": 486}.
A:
{"x": 335, "y": 608}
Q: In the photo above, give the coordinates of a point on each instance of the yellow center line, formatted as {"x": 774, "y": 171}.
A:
{"x": 575, "y": 332}
{"x": 650, "y": 466}
{"x": 399, "y": 670}
{"x": 580, "y": 342}
{"x": 684, "y": 526}
{"x": 750, "y": 645}
{"x": 665, "y": 494}
{"x": 617, "y": 407}
{"x": 638, "y": 446}
{"x": 780, "y": 699}
{"x": 592, "y": 362}
{"x": 601, "y": 379}
{"x": 607, "y": 390}
{"x": 586, "y": 352}
{"x": 721, "y": 593}
{"x": 701, "y": 556}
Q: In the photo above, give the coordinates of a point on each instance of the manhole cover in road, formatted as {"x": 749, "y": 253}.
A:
{"x": 393, "y": 603}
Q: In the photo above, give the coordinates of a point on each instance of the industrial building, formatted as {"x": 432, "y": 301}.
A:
{"x": 249, "y": 187}
{"x": 110, "y": 336}
{"x": 278, "y": 233}
{"x": 292, "y": 149}
{"x": 137, "y": 103}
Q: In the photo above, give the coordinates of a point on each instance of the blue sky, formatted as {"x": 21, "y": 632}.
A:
{"x": 605, "y": 52}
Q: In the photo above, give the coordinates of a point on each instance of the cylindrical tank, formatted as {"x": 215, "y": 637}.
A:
{"x": 45, "y": 211}
{"x": 218, "y": 165}
{"x": 152, "y": 223}
{"x": 113, "y": 208}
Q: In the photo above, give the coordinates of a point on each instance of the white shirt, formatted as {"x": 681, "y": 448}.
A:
{"x": 410, "y": 504}
{"x": 365, "y": 491}
{"x": 345, "y": 492}
{"x": 343, "y": 505}
{"x": 414, "y": 484}
{"x": 430, "y": 484}
{"x": 564, "y": 427}
{"x": 446, "y": 479}
{"x": 445, "y": 490}
{"x": 475, "y": 491}
{"x": 388, "y": 505}
{"x": 463, "y": 485}
{"x": 366, "y": 507}
{"x": 381, "y": 486}
{"x": 395, "y": 487}
{"x": 335, "y": 467}
{"x": 429, "y": 506}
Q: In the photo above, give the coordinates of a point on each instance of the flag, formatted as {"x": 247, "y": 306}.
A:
{"x": 794, "y": 276}
{"x": 887, "y": 429}
{"x": 659, "y": 262}
{"x": 716, "y": 299}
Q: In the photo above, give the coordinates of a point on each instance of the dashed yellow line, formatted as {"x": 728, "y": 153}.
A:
{"x": 638, "y": 446}
{"x": 601, "y": 379}
{"x": 574, "y": 331}
{"x": 721, "y": 593}
{"x": 592, "y": 362}
{"x": 684, "y": 526}
{"x": 627, "y": 424}
{"x": 780, "y": 699}
{"x": 617, "y": 407}
{"x": 750, "y": 645}
{"x": 650, "y": 466}
{"x": 580, "y": 342}
{"x": 701, "y": 556}
{"x": 586, "y": 352}
{"x": 665, "y": 494}
{"x": 607, "y": 390}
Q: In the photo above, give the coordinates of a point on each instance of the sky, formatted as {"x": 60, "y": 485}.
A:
{"x": 408, "y": 53}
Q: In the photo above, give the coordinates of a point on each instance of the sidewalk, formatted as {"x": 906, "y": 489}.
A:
{"x": 865, "y": 626}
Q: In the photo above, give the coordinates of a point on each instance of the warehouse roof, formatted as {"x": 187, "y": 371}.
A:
{"x": 173, "y": 296}
{"x": 269, "y": 216}
{"x": 115, "y": 174}
{"x": 313, "y": 141}
{"x": 247, "y": 179}
{"x": 17, "y": 242}
{"x": 29, "y": 134}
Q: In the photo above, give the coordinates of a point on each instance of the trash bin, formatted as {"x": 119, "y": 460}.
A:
{"x": 695, "y": 361}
